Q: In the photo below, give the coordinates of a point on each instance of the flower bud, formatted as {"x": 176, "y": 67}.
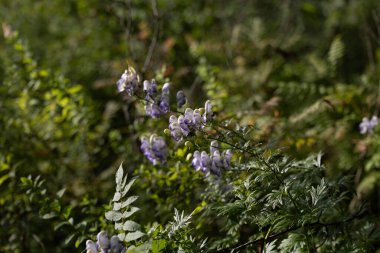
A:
{"x": 91, "y": 247}
{"x": 103, "y": 240}
{"x": 189, "y": 145}
{"x": 167, "y": 132}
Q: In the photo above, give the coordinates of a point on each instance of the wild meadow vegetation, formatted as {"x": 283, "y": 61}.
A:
{"x": 189, "y": 126}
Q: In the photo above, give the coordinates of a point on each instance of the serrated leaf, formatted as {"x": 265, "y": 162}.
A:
{"x": 121, "y": 236}
{"x": 122, "y": 185}
{"x": 119, "y": 177}
{"x": 116, "y": 197}
{"x": 118, "y": 225}
{"x": 113, "y": 216}
{"x": 133, "y": 209}
{"x": 127, "y": 187}
{"x": 131, "y": 226}
{"x": 116, "y": 206}
{"x": 133, "y": 236}
{"x": 129, "y": 201}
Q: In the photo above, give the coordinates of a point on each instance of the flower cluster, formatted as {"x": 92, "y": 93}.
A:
{"x": 156, "y": 105}
{"x": 128, "y": 82}
{"x": 214, "y": 162}
{"x": 191, "y": 120}
{"x": 104, "y": 244}
{"x": 154, "y": 149}
{"x": 367, "y": 126}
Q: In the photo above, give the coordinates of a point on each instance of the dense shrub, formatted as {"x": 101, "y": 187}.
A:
{"x": 241, "y": 126}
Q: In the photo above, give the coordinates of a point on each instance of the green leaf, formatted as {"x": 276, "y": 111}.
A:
{"x": 118, "y": 226}
{"x": 133, "y": 236}
{"x": 121, "y": 236}
{"x": 49, "y": 215}
{"x": 129, "y": 201}
{"x": 3, "y": 178}
{"x": 128, "y": 186}
{"x": 119, "y": 177}
{"x": 117, "y": 196}
{"x": 158, "y": 245}
{"x": 113, "y": 215}
{"x": 133, "y": 209}
{"x": 26, "y": 181}
{"x": 80, "y": 240}
{"x": 61, "y": 192}
{"x": 61, "y": 224}
{"x": 70, "y": 238}
{"x": 116, "y": 206}
{"x": 131, "y": 226}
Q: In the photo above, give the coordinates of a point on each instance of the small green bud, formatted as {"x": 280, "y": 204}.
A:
{"x": 189, "y": 145}
{"x": 201, "y": 111}
{"x": 189, "y": 156}
{"x": 167, "y": 132}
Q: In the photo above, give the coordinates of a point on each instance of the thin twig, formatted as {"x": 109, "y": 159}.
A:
{"x": 155, "y": 36}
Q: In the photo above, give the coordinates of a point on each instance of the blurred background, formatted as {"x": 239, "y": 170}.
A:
{"x": 305, "y": 72}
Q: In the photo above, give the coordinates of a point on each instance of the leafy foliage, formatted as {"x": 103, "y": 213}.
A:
{"x": 122, "y": 209}
{"x": 282, "y": 89}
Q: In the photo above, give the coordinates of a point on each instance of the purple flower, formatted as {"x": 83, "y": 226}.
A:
{"x": 150, "y": 88}
{"x": 181, "y": 98}
{"x": 164, "y": 103}
{"x": 156, "y": 112}
{"x": 152, "y": 110}
{"x": 188, "y": 118}
{"x": 91, "y": 247}
{"x": 146, "y": 86}
{"x": 227, "y": 157}
{"x": 165, "y": 89}
{"x": 172, "y": 119}
{"x": 148, "y": 109}
{"x": 205, "y": 161}
{"x": 184, "y": 128}
{"x": 217, "y": 163}
{"x": 214, "y": 146}
{"x": 159, "y": 148}
{"x": 197, "y": 161}
{"x": 207, "y": 116}
{"x": 128, "y": 82}
{"x": 367, "y": 126}
{"x": 120, "y": 85}
{"x": 197, "y": 119}
{"x": 155, "y": 149}
{"x": 116, "y": 246}
{"x": 175, "y": 131}
{"x": 373, "y": 122}
{"x": 103, "y": 241}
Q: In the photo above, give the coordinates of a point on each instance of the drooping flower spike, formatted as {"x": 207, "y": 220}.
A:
{"x": 191, "y": 120}
{"x": 213, "y": 163}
